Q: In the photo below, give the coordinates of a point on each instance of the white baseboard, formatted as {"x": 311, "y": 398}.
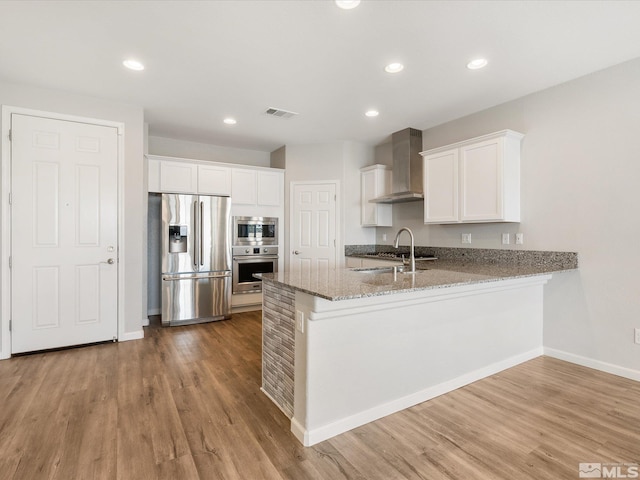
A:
{"x": 311, "y": 437}
{"x": 595, "y": 364}
{"x": 300, "y": 433}
{"x": 125, "y": 337}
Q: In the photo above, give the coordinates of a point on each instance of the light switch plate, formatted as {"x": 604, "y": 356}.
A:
{"x": 519, "y": 238}
{"x": 506, "y": 240}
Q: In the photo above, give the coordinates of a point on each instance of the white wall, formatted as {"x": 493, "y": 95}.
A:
{"x": 332, "y": 161}
{"x": 203, "y": 151}
{"x": 134, "y": 183}
{"x": 580, "y": 180}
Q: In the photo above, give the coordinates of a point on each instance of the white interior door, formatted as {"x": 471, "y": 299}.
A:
{"x": 313, "y": 228}
{"x": 64, "y": 220}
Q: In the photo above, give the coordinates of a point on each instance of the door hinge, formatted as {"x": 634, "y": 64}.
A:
{"x": 9, "y": 198}
{"x": 9, "y": 261}
{"x": 10, "y": 137}
{"x": 10, "y": 325}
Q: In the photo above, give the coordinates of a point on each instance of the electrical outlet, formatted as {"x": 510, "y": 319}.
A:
{"x": 519, "y": 238}
{"x": 466, "y": 238}
{"x": 300, "y": 321}
{"x": 506, "y": 240}
{"x": 384, "y": 237}
{"x": 637, "y": 335}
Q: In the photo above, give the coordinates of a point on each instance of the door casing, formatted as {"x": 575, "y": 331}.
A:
{"x": 5, "y": 216}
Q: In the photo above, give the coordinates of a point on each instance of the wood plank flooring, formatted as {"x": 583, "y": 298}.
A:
{"x": 184, "y": 403}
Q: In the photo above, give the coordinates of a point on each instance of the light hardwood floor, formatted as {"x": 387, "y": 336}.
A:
{"x": 185, "y": 403}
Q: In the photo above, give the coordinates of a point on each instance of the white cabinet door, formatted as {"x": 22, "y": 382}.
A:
{"x": 178, "y": 177}
{"x": 369, "y": 212}
{"x": 269, "y": 188}
{"x": 481, "y": 181}
{"x": 243, "y": 186}
{"x": 214, "y": 180}
{"x": 375, "y": 181}
{"x": 474, "y": 181}
{"x": 441, "y": 187}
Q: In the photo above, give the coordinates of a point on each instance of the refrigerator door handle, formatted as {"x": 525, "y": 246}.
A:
{"x": 195, "y": 234}
{"x": 171, "y": 277}
{"x": 200, "y": 223}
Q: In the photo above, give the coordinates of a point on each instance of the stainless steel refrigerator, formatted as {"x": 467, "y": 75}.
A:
{"x": 196, "y": 258}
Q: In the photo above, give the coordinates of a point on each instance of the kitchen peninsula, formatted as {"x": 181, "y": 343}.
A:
{"x": 346, "y": 347}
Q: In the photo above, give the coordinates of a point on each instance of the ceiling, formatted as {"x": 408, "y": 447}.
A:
{"x": 208, "y": 60}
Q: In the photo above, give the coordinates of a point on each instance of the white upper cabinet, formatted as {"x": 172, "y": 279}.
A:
{"x": 256, "y": 187}
{"x": 269, "y": 188}
{"x": 244, "y": 186}
{"x": 169, "y": 175}
{"x": 178, "y": 177}
{"x": 214, "y": 180}
{"x": 375, "y": 181}
{"x": 474, "y": 181}
{"x": 441, "y": 187}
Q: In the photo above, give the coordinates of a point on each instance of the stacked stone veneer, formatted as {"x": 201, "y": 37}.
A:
{"x": 278, "y": 344}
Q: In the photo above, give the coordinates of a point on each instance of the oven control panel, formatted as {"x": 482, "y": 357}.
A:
{"x": 250, "y": 251}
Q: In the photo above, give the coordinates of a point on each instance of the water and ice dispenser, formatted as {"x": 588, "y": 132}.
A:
{"x": 177, "y": 238}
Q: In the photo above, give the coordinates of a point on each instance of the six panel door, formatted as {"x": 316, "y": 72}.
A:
{"x": 64, "y": 233}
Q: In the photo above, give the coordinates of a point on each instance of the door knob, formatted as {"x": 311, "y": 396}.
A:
{"x": 111, "y": 261}
{"x": 296, "y": 252}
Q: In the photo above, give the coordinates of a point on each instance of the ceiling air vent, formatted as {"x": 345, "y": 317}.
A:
{"x": 280, "y": 113}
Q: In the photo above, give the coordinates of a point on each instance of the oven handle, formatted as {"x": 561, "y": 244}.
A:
{"x": 256, "y": 258}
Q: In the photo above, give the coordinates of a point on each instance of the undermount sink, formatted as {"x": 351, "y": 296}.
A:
{"x": 396, "y": 256}
{"x": 377, "y": 270}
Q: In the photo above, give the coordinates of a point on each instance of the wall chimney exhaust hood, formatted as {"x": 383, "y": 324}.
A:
{"x": 407, "y": 168}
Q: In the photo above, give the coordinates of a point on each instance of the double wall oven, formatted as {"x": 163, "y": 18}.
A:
{"x": 254, "y": 250}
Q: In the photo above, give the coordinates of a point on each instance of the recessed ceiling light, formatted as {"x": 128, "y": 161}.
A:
{"x": 372, "y": 113}
{"x": 477, "y": 63}
{"x": 394, "y": 68}
{"x": 132, "y": 64}
{"x": 230, "y": 121}
{"x": 347, "y": 4}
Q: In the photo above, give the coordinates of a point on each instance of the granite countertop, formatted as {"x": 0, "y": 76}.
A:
{"x": 397, "y": 258}
{"x": 344, "y": 284}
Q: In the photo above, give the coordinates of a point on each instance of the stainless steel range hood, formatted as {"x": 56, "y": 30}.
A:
{"x": 407, "y": 168}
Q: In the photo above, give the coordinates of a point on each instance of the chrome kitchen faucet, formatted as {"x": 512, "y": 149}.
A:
{"x": 412, "y": 256}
